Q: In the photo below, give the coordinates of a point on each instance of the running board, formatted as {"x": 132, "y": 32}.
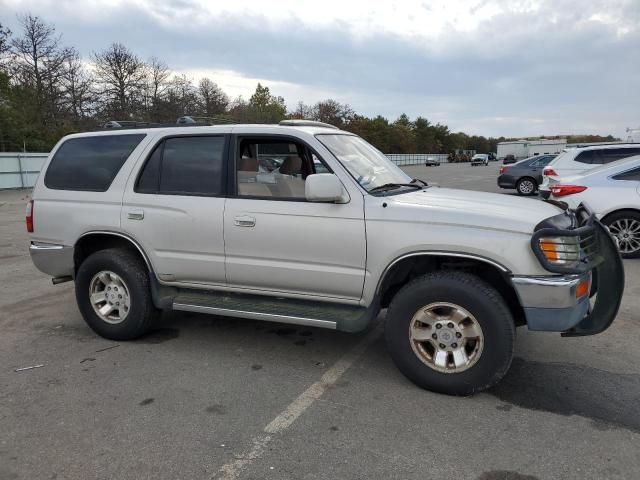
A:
{"x": 273, "y": 309}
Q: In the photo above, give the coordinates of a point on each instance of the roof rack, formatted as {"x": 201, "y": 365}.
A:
{"x": 306, "y": 123}
{"x": 184, "y": 121}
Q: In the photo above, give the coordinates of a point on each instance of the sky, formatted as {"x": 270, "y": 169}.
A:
{"x": 486, "y": 67}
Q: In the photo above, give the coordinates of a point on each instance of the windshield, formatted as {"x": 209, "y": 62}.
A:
{"x": 370, "y": 167}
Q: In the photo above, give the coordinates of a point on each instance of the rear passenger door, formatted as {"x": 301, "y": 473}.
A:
{"x": 174, "y": 204}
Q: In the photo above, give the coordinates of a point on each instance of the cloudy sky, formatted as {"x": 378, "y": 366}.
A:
{"x": 513, "y": 68}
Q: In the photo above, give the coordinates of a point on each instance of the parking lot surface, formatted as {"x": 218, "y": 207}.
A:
{"x": 206, "y": 397}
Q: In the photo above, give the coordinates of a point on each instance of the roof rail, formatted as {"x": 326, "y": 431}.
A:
{"x": 306, "y": 123}
{"x": 184, "y": 121}
{"x": 216, "y": 120}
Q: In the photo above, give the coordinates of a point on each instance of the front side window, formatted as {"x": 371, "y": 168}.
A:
{"x": 189, "y": 165}
{"x": 90, "y": 163}
{"x": 370, "y": 167}
{"x": 272, "y": 168}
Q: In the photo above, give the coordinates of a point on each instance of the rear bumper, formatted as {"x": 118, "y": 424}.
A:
{"x": 505, "y": 181}
{"x": 54, "y": 260}
{"x": 550, "y": 303}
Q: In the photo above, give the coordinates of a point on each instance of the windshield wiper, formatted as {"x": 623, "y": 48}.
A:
{"x": 392, "y": 186}
{"x": 416, "y": 180}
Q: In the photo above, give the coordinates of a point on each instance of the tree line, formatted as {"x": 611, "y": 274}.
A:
{"x": 48, "y": 90}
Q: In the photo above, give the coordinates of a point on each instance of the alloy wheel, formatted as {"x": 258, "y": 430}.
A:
{"x": 446, "y": 337}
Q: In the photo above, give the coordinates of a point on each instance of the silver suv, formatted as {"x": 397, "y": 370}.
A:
{"x": 303, "y": 223}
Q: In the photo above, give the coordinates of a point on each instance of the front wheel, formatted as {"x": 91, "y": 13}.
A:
{"x": 450, "y": 332}
{"x": 113, "y": 294}
{"x": 625, "y": 226}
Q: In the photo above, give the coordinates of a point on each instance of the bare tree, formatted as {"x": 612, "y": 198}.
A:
{"x": 212, "y": 99}
{"x": 39, "y": 62}
{"x": 120, "y": 78}
{"x": 182, "y": 97}
{"x": 5, "y": 36}
{"x": 158, "y": 74}
{"x": 76, "y": 87}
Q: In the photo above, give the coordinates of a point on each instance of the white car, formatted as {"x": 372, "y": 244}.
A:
{"x": 576, "y": 161}
{"x": 480, "y": 159}
{"x": 612, "y": 192}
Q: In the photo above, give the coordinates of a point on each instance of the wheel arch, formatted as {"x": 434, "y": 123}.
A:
{"x": 619, "y": 210}
{"x": 95, "y": 240}
{"x": 404, "y": 268}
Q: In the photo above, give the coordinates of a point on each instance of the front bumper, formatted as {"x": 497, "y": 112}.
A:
{"x": 52, "y": 259}
{"x": 550, "y": 303}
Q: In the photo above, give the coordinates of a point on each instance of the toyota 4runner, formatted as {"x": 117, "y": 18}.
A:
{"x": 306, "y": 224}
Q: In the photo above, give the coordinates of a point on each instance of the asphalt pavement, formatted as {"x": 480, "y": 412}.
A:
{"x": 206, "y": 397}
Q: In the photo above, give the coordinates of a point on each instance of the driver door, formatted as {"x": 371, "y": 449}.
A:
{"x": 276, "y": 241}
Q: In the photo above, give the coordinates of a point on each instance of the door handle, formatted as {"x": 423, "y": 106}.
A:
{"x": 137, "y": 214}
{"x": 245, "y": 221}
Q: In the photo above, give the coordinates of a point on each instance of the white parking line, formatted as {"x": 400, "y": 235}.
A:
{"x": 285, "y": 419}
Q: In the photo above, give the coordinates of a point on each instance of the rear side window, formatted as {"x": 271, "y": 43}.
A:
{"x": 184, "y": 166}
{"x": 89, "y": 163}
{"x": 631, "y": 175}
{"x": 588, "y": 156}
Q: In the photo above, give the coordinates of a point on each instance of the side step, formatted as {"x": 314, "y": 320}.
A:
{"x": 284, "y": 310}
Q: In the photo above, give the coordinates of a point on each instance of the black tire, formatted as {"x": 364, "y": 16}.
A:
{"x": 480, "y": 300}
{"x": 133, "y": 272}
{"x": 629, "y": 216}
{"x": 527, "y": 186}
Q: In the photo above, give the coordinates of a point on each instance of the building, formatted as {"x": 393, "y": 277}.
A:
{"x": 529, "y": 148}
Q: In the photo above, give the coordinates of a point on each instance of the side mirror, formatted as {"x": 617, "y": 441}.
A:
{"x": 324, "y": 187}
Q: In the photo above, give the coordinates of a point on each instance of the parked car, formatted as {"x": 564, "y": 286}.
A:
{"x": 612, "y": 192}
{"x": 144, "y": 220}
{"x": 509, "y": 159}
{"x": 432, "y": 162}
{"x": 575, "y": 161}
{"x": 480, "y": 159}
{"x": 525, "y": 175}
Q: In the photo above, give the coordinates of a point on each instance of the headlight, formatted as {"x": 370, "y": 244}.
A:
{"x": 560, "y": 250}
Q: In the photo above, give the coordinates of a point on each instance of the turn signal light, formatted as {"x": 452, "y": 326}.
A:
{"x": 30, "y": 216}
{"x": 582, "y": 288}
{"x": 563, "y": 190}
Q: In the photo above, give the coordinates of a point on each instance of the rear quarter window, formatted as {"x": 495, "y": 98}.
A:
{"x": 89, "y": 163}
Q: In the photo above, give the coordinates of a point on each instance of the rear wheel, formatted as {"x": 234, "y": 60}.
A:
{"x": 625, "y": 226}
{"x": 526, "y": 186}
{"x": 113, "y": 294}
{"x": 450, "y": 332}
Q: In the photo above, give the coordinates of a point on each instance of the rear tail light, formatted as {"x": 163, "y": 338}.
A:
{"x": 549, "y": 172}
{"x": 29, "y": 216}
{"x": 503, "y": 169}
{"x": 563, "y": 190}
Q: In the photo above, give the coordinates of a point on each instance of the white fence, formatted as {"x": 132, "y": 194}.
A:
{"x": 20, "y": 170}
{"x": 401, "y": 159}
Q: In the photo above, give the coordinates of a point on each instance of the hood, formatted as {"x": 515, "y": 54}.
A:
{"x": 465, "y": 207}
